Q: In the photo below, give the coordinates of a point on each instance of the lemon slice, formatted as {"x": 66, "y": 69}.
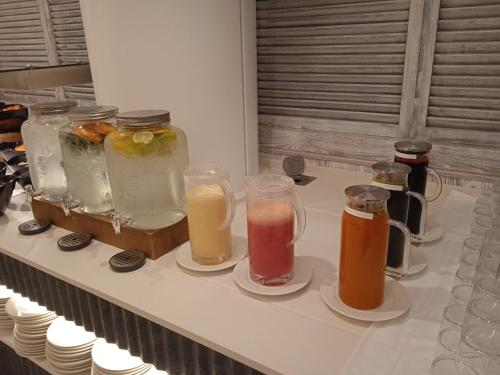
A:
{"x": 143, "y": 137}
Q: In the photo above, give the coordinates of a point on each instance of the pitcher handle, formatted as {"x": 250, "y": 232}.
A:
{"x": 300, "y": 212}
{"x": 406, "y": 253}
{"x": 423, "y": 214}
{"x": 230, "y": 203}
{"x": 439, "y": 183}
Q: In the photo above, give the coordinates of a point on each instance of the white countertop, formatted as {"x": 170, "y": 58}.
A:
{"x": 295, "y": 334}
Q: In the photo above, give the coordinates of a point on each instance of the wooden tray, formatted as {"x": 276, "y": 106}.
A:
{"x": 154, "y": 243}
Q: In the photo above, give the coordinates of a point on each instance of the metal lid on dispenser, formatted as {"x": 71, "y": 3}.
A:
{"x": 53, "y": 108}
{"x": 391, "y": 168}
{"x": 411, "y": 146}
{"x": 93, "y": 112}
{"x": 142, "y": 118}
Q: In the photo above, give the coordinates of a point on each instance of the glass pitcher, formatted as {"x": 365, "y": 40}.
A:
{"x": 271, "y": 202}
{"x": 416, "y": 154}
{"x": 82, "y": 146}
{"x": 394, "y": 177}
{"x": 41, "y": 138}
{"x": 146, "y": 158}
{"x": 363, "y": 247}
{"x": 210, "y": 208}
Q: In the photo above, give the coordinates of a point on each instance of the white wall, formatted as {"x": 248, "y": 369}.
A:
{"x": 196, "y": 58}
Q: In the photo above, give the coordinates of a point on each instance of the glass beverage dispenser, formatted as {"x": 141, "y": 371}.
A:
{"x": 41, "y": 138}
{"x": 146, "y": 157}
{"x": 82, "y": 146}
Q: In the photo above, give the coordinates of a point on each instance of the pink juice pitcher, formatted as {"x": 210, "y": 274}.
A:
{"x": 271, "y": 203}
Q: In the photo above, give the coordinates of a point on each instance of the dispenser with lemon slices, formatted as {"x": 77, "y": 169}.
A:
{"x": 146, "y": 157}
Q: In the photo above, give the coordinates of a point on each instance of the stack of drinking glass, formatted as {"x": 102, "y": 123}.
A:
{"x": 469, "y": 339}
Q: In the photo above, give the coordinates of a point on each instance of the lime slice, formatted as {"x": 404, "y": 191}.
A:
{"x": 143, "y": 137}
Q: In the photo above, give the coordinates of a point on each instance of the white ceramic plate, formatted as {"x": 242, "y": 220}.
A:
{"x": 65, "y": 334}
{"x": 396, "y": 303}
{"x": 136, "y": 371}
{"x": 5, "y": 293}
{"x": 110, "y": 357}
{"x": 239, "y": 250}
{"x": 302, "y": 275}
{"x": 154, "y": 371}
{"x": 69, "y": 352}
{"x": 418, "y": 261}
{"x": 433, "y": 232}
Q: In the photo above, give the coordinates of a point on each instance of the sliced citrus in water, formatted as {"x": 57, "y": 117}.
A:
{"x": 143, "y": 137}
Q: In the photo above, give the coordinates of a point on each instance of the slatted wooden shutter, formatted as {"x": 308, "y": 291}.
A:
{"x": 462, "y": 112}
{"x": 70, "y": 43}
{"x": 330, "y": 76}
{"x": 465, "y": 87}
{"x": 22, "y": 43}
{"x": 41, "y": 33}
{"x": 341, "y": 80}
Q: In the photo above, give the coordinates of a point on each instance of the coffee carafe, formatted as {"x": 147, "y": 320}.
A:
{"x": 416, "y": 154}
{"x": 394, "y": 178}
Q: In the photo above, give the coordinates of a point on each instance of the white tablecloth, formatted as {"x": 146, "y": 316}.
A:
{"x": 406, "y": 345}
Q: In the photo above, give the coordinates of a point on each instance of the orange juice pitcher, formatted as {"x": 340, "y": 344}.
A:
{"x": 363, "y": 247}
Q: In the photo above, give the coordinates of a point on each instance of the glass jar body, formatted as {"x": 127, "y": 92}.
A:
{"x": 145, "y": 167}
{"x": 41, "y": 138}
{"x": 82, "y": 146}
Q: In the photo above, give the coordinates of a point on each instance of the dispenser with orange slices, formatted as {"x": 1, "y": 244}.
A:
{"x": 82, "y": 146}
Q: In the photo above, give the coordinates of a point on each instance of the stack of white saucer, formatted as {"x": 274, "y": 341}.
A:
{"x": 108, "y": 359}
{"x": 69, "y": 348}
{"x": 5, "y": 320}
{"x": 154, "y": 371}
{"x": 32, "y": 321}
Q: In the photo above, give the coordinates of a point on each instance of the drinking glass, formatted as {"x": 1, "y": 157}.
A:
{"x": 454, "y": 315}
{"x": 449, "y": 365}
{"x": 482, "y": 311}
{"x": 486, "y": 287}
{"x": 481, "y": 226}
{"x": 480, "y": 348}
{"x": 448, "y": 341}
{"x": 210, "y": 208}
{"x": 473, "y": 244}
{"x": 271, "y": 203}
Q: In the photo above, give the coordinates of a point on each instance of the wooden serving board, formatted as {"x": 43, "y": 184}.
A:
{"x": 154, "y": 243}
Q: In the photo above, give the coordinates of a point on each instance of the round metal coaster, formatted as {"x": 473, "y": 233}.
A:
{"x": 127, "y": 261}
{"x": 74, "y": 241}
{"x": 31, "y": 227}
